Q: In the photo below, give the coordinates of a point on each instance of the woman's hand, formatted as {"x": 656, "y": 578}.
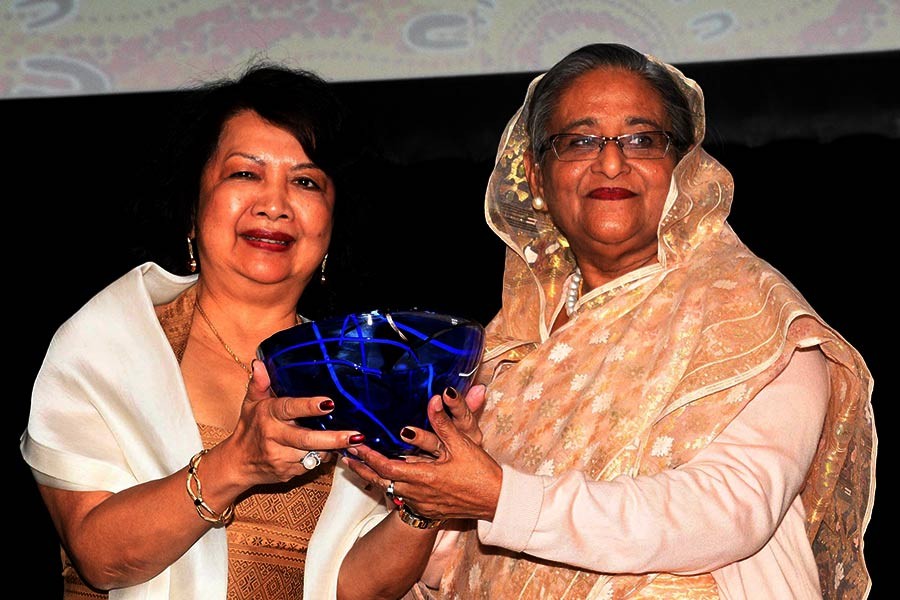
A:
{"x": 460, "y": 481}
{"x": 268, "y": 442}
{"x": 464, "y": 413}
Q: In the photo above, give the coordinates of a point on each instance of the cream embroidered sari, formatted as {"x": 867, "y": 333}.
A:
{"x": 650, "y": 369}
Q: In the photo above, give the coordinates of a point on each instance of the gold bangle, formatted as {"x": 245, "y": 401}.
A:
{"x": 411, "y": 518}
{"x": 206, "y": 513}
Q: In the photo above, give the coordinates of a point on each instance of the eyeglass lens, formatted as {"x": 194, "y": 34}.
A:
{"x": 647, "y": 144}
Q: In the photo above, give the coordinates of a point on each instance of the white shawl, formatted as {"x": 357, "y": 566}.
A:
{"x": 109, "y": 410}
{"x": 349, "y": 513}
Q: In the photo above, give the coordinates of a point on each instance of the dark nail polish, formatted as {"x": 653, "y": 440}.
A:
{"x": 326, "y": 405}
{"x": 451, "y": 393}
{"x": 407, "y": 433}
{"x": 357, "y": 438}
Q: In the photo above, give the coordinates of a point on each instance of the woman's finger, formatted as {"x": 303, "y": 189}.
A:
{"x": 444, "y": 426}
{"x": 422, "y": 439}
{"x": 464, "y": 410}
{"x": 289, "y": 409}
{"x": 258, "y": 386}
{"x": 357, "y": 462}
{"x": 475, "y": 399}
{"x": 309, "y": 439}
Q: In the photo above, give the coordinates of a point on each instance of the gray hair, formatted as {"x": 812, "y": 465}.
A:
{"x": 548, "y": 90}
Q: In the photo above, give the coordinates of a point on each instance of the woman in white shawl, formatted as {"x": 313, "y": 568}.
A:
{"x": 152, "y": 388}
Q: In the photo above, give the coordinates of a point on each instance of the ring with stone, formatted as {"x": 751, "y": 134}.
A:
{"x": 312, "y": 460}
{"x": 389, "y": 492}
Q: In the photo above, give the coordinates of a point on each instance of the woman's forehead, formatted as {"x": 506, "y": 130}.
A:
{"x": 608, "y": 96}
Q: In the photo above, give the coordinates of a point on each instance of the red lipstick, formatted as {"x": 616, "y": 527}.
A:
{"x": 265, "y": 239}
{"x": 611, "y": 193}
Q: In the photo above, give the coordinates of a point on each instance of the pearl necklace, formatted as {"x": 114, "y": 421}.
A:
{"x": 573, "y": 292}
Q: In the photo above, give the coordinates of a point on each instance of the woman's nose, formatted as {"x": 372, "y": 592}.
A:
{"x": 272, "y": 202}
{"x": 610, "y": 160}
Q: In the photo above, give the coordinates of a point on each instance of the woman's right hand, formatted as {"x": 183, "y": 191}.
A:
{"x": 268, "y": 442}
{"x": 267, "y": 446}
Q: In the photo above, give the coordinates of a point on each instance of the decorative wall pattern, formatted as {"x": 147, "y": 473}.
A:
{"x": 72, "y": 47}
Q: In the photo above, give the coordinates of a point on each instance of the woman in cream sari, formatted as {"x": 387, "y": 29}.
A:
{"x": 666, "y": 415}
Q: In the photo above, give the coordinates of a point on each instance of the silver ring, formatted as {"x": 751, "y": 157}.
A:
{"x": 389, "y": 492}
{"x": 312, "y": 460}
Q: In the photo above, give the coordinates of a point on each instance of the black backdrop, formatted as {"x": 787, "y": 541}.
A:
{"x": 813, "y": 144}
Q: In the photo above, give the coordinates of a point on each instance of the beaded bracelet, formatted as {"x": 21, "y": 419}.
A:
{"x": 206, "y": 513}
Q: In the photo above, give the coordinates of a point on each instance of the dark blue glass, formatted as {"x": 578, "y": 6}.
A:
{"x": 380, "y": 368}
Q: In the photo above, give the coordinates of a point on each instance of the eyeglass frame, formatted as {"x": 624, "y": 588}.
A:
{"x": 604, "y": 139}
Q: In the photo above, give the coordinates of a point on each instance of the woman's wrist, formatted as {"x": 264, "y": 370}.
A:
{"x": 211, "y": 486}
{"x": 194, "y": 486}
{"x": 408, "y": 515}
{"x": 414, "y": 519}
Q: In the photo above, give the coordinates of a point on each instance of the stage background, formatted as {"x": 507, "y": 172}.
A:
{"x": 826, "y": 126}
{"x": 65, "y": 47}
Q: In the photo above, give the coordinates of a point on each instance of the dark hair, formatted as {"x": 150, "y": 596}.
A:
{"x": 296, "y": 100}
{"x": 548, "y": 90}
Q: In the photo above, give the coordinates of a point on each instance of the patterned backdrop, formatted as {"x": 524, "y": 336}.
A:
{"x": 71, "y": 47}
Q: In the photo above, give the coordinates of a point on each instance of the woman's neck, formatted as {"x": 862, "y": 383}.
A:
{"x": 595, "y": 273}
{"x": 244, "y": 320}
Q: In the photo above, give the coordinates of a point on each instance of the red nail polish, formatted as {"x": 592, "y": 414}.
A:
{"x": 326, "y": 405}
{"x": 357, "y": 438}
{"x": 407, "y": 433}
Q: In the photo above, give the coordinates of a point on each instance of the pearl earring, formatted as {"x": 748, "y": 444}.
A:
{"x": 538, "y": 204}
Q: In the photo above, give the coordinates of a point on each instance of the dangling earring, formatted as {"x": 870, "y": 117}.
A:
{"x": 192, "y": 262}
{"x": 322, "y": 278}
{"x": 538, "y": 204}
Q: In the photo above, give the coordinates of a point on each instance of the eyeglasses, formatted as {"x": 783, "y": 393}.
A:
{"x": 572, "y": 147}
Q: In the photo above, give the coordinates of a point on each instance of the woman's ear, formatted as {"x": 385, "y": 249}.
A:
{"x": 534, "y": 177}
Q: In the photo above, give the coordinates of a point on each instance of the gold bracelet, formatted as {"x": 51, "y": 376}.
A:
{"x": 206, "y": 513}
{"x": 411, "y": 518}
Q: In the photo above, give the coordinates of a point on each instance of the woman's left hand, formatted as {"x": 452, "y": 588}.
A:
{"x": 462, "y": 480}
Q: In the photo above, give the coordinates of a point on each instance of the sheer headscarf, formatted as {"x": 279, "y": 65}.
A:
{"x": 652, "y": 366}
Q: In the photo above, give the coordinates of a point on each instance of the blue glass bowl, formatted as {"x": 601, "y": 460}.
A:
{"x": 380, "y": 368}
